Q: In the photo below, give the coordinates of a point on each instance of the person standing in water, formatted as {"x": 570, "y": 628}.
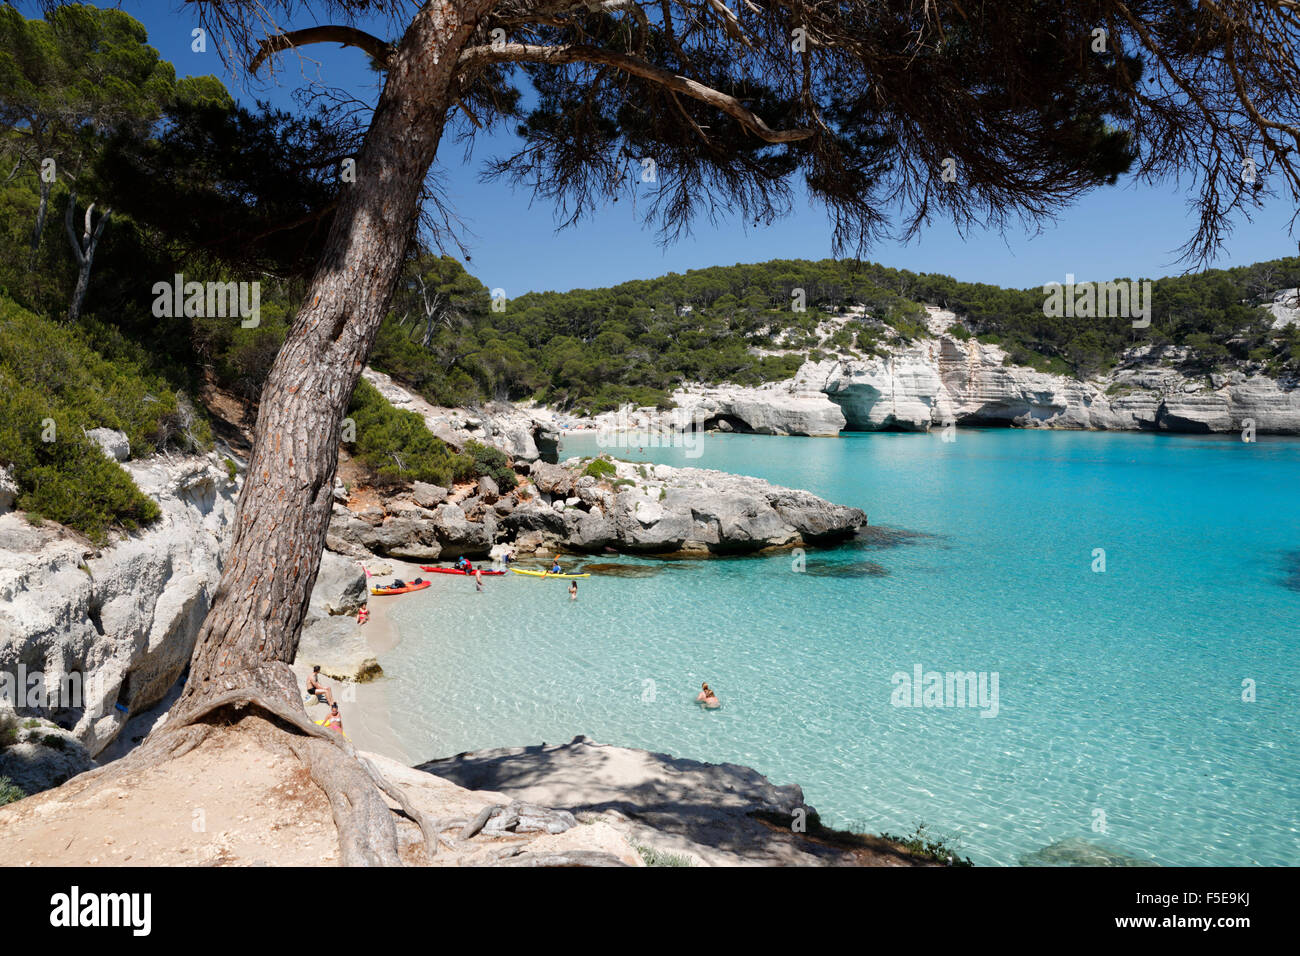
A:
{"x": 478, "y": 578}
{"x": 707, "y": 697}
{"x": 573, "y": 590}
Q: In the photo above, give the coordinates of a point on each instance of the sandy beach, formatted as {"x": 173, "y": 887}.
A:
{"x": 364, "y": 707}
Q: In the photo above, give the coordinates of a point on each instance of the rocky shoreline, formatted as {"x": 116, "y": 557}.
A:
{"x": 592, "y": 506}
{"x": 120, "y": 621}
{"x": 952, "y": 378}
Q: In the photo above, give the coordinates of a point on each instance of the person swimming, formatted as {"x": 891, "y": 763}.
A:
{"x": 707, "y": 697}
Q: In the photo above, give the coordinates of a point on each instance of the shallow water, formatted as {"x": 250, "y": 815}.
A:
{"x": 1119, "y": 712}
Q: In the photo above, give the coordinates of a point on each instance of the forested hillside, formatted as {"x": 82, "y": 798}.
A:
{"x": 592, "y": 349}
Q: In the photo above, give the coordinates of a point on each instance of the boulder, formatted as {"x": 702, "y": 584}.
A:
{"x": 533, "y": 517}
{"x": 455, "y": 533}
{"x": 488, "y": 489}
{"x": 428, "y": 496}
{"x": 556, "y": 480}
{"x": 113, "y": 443}
{"x": 339, "y": 647}
{"x": 348, "y": 534}
{"x": 340, "y": 586}
{"x": 588, "y": 532}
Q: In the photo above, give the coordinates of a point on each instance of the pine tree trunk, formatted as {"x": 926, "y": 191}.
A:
{"x": 251, "y": 631}
{"x": 39, "y": 228}
{"x": 83, "y": 250}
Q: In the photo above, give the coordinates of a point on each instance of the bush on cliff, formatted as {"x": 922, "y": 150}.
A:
{"x": 10, "y": 792}
{"x": 54, "y": 387}
{"x": 492, "y": 462}
{"x": 397, "y": 447}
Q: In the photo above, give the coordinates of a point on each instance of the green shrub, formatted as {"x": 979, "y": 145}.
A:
{"x": 653, "y": 857}
{"x": 397, "y": 447}
{"x": 492, "y": 462}
{"x": 53, "y": 389}
{"x": 921, "y": 844}
{"x": 10, "y": 792}
{"x": 600, "y": 469}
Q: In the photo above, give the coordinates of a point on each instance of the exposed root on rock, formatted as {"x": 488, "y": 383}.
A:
{"x": 354, "y": 786}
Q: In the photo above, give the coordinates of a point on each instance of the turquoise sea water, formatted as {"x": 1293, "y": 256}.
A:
{"x": 1120, "y": 716}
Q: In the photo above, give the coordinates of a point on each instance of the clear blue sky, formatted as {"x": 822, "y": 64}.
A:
{"x": 1125, "y": 230}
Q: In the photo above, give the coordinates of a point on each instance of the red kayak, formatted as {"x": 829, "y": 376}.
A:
{"x": 403, "y": 589}
{"x": 486, "y": 573}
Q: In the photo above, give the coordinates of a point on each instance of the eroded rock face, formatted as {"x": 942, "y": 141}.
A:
{"x": 949, "y": 379}
{"x": 8, "y": 491}
{"x": 340, "y": 586}
{"x": 115, "y": 625}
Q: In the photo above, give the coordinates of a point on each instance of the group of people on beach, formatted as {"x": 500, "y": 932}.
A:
{"x": 318, "y": 691}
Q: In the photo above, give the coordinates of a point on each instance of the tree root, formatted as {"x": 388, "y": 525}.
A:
{"x": 367, "y": 836}
{"x": 351, "y": 782}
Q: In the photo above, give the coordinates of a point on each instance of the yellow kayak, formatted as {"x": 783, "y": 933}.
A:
{"x": 548, "y": 574}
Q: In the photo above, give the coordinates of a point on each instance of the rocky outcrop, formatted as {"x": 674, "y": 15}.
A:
{"x": 338, "y": 646}
{"x": 36, "y": 754}
{"x": 340, "y": 587}
{"x": 707, "y": 814}
{"x": 780, "y": 408}
{"x": 113, "y": 628}
{"x": 657, "y": 509}
{"x": 518, "y": 431}
{"x": 952, "y": 378}
{"x": 113, "y": 443}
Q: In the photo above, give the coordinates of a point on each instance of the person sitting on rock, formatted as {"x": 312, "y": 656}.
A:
{"x": 707, "y": 697}
{"x": 318, "y": 690}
